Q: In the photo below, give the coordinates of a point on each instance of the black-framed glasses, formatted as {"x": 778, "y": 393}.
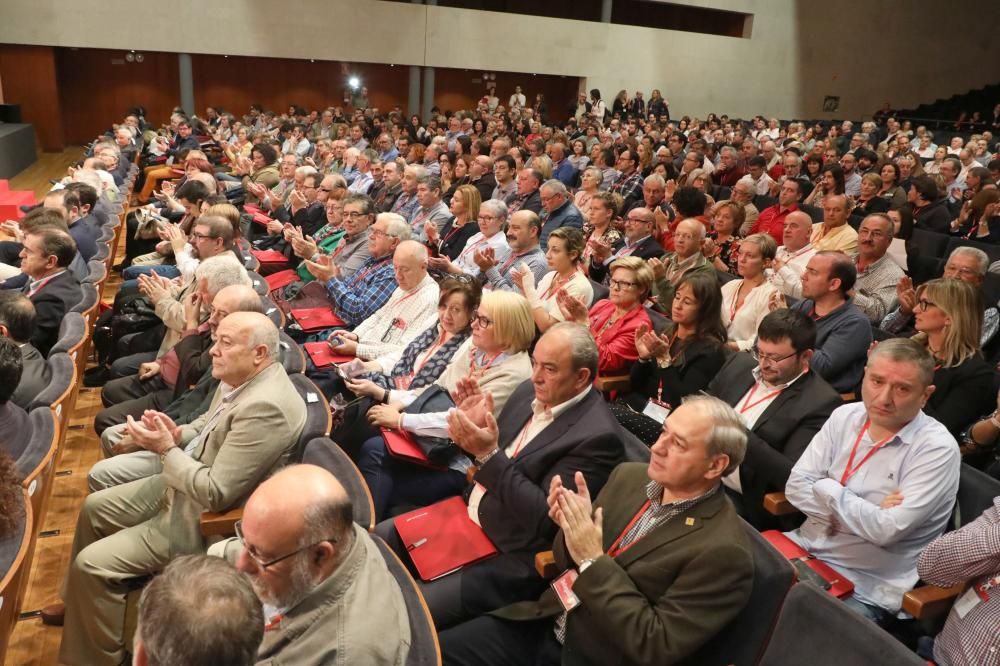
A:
{"x": 197, "y": 236}
{"x": 768, "y": 358}
{"x": 237, "y": 527}
{"x": 622, "y": 284}
{"x": 481, "y": 321}
{"x": 923, "y": 304}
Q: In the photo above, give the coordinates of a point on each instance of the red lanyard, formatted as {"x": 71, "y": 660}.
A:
{"x": 849, "y": 471}
{"x": 615, "y": 549}
{"x": 454, "y": 230}
{"x": 403, "y": 381}
{"x": 556, "y": 285}
{"x": 476, "y": 373}
{"x": 361, "y": 276}
{"x": 733, "y": 309}
{"x": 404, "y": 297}
{"x": 469, "y": 248}
{"x": 523, "y": 437}
{"x": 507, "y": 264}
{"x": 747, "y": 405}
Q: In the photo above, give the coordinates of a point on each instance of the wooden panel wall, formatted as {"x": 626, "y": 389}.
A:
{"x": 29, "y": 79}
{"x": 99, "y": 86}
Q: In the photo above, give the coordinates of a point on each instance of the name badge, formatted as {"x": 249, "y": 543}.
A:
{"x": 657, "y": 410}
{"x": 563, "y": 587}
{"x": 967, "y": 602}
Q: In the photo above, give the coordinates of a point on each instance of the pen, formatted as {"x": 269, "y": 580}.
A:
{"x": 416, "y": 544}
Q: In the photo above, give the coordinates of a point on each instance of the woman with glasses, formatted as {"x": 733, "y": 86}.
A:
{"x": 564, "y": 255}
{"x": 677, "y": 363}
{"x": 745, "y": 301}
{"x": 613, "y": 321}
{"x": 949, "y": 321}
{"x": 493, "y": 360}
{"x": 491, "y": 216}
{"x": 452, "y": 239}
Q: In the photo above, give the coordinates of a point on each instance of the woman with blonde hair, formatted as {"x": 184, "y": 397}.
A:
{"x": 590, "y": 182}
{"x": 745, "y": 301}
{"x": 722, "y": 246}
{"x": 459, "y": 229}
{"x": 949, "y": 321}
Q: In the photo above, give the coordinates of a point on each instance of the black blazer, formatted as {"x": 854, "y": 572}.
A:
{"x": 647, "y": 249}
{"x": 514, "y": 512}
{"x": 781, "y": 433}
{"x": 933, "y": 217}
{"x": 962, "y": 394}
{"x": 52, "y": 302}
{"x": 35, "y": 376}
{"x": 702, "y": 360}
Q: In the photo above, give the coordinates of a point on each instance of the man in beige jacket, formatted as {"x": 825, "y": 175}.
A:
{"x": 211, "y": 464}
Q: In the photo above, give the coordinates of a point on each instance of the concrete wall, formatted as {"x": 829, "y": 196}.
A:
{"x": 865, "y": 51}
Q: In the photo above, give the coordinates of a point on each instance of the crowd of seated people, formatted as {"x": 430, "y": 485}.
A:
{"x": 536, "y": 304}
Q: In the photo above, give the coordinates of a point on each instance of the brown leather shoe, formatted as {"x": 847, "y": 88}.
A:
{"x": 53, "y": 614}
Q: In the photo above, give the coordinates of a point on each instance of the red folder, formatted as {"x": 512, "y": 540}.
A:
{"x": 401, "y": 445}
{"x": 316, "y": 319}
{"x": 281, "y": 279}
{"x": 441, "y": 538}
{"x": 261, "y": 219}
{"x": 322, "y": 356}
{"x": 808, "y": 568}
{"x": 251, "y": 209}
{"x": 269, "y": 256}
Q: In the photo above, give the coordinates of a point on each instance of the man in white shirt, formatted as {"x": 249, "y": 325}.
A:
{"x": 852, "y": 179}
{"x": 878, "y": 482}
{"x": 757, "y": 176}
{"x": 790, "y": 262}
{"x": 517, "y": 99}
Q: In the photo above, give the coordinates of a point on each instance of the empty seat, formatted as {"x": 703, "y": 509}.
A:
{"x": 318, "y": 418}
{"x": 323, "y": 452}
{"x": 15, "y": 564}
{"x": 72, "y": 332}
{"x": 815, "y": 628}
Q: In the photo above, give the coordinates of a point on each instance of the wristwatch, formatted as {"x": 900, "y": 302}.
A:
{"x": 586, "y": 563}
{"x": 485, "y": 459}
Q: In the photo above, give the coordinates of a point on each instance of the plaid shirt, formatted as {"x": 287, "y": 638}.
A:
{"x": 971, "y": 553}
{"x": 358, "y": 297}
{"x": 629, "y": 186}
{"x": 406, "y": 205}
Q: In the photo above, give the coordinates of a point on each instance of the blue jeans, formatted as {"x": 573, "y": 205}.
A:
{"x": 876, "y": 614}
{"x": 166, "y": 270}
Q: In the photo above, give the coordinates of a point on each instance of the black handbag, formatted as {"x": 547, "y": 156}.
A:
{"x": 439, "y": 450}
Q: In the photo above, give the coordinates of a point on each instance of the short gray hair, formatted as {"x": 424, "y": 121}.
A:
{"x": 221, "y": 271}
{"x": 728, "y": 435}
{"x": 396, "y": 225}
{"x": 419, "y": 171}
{"x": 906, "y": 350}
{"x": 555, "y": 186}
{"x": 264, "y": 332}
{"x": 583, "y": 349}
{"x": 495, "y": 206}
{"x": 655, "y": 179}
{"x": 729, "y": 149}
{"x": 982, "y": 260}
{"x": 305, "y": 171}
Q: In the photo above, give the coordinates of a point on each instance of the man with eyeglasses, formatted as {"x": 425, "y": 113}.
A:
{"x": 629, "y": 181}
{"x": 213, "y": 464}
{"x": 638, "y": 242}
{"x": 878, "y": 274}
{"x": 523, "y": 229}
{"x": 686, "y": 258}
{"x": 490, "y": 241}
{"x": 328, "y": 596}
{"x": 968, "y": 264}
{"x": 557, "y": 209}
{"x": 431, "y": 208}
{"x": 781, "y": 403}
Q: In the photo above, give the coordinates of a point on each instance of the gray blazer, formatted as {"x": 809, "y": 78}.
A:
{"x": 35, "y": 376}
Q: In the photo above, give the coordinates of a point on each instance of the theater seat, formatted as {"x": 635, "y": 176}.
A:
{"x": 815, "y": 628}
{"x": 324, "y": 453}
{"x": 15, "y": 564}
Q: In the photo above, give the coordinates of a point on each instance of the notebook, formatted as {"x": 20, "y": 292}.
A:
{"x": 281, "y": 279}
{"x": 402, "y": 445}
{"x": 322, "y": 356}
{"x": 317, "y": 319}
{"x": 269, "y": 256}
{"x": 441, "y": 538}
{"x": 809, "y": 569}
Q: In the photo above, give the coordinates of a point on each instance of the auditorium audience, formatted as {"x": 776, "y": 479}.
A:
{"x": 17, "y": 323}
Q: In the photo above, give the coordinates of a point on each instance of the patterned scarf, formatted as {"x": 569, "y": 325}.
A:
{"x": 432, "y": 369}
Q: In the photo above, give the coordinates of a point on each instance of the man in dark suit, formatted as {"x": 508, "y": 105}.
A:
{"x": 552, "y": 426}
{"x": 17, "y": 322}
{"x": 638, "y": 242}
{"x": 782, "y": 404}
{"x": 45, "y": 257}
{"x": 656, "y": 571}
{"x": 14, "y": 423}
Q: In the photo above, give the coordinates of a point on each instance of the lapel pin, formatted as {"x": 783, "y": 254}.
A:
{"x": 689, "y": 522}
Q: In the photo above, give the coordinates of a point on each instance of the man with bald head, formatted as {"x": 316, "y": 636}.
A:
{"x": 329, "y": 599}
{"x": 212, "y": 464}
{"x": 686, "y": 258}
{"x": 180, "y": 384}
{"x": 834, "y": 233}
{"x": 793, "y": 255}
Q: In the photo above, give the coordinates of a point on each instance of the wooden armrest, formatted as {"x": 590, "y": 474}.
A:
{"x": 613, "y": 383}
{"x": 849, "y": 397}
{"x": 220, "y": 524}
{"x": 930, "y": 601}
{"x": 545, "y": 564}
{"x": 777, "y": 504}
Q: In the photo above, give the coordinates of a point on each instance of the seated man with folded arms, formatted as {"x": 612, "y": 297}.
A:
{"x": 782, "y": 403}
{"x": 213, "y": 464}
{"x": 554, "y": 425}
{"x": 522, "y": 238}
{"x": 411, "y": 308}
{"x": 792, "y": 257}
{"x": 357, "y": 297}
{"x": 17, "y": 322}
{"x": 663, "y": 563}
{"x": 970, "y": 555}
{"x": 878, "y": 482}
{"x": 843, "y": 332}
{"x": 327, "y": 593}
{"x": 199, "y": 611}
{"x": 180, "y": 384}
{"x": 878, "y": 273}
